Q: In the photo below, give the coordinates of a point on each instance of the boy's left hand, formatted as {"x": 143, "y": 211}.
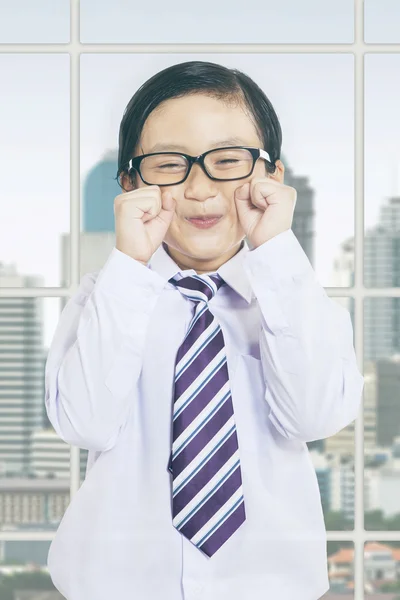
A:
{"x": 265, "y": 208}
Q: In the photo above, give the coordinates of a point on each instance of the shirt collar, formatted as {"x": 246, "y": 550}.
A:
{"x": 232, "y": 271}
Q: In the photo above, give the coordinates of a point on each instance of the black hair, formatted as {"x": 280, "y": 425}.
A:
{"x": 202, "y": 77}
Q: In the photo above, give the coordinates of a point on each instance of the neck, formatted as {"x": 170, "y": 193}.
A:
{"x": 201, "y": 266}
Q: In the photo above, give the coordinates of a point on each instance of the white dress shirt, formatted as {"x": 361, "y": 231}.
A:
{"x": 109, "y": 389}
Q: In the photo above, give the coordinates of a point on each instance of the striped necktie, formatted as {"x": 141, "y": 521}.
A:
{"x": 208, "y": 503}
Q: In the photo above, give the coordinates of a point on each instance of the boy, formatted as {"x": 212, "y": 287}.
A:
{"x": 197, "y": 364}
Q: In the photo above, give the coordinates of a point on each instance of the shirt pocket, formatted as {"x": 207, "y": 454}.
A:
{"x": 248, "y": 378}
{"x": 287, "y": 352}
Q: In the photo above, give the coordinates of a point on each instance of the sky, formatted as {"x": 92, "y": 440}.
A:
{"x": 41, "y": 21}
{"x": 259, "y": 21}
{"x": 312, "y": 94}
{"x": 382, "y": 21}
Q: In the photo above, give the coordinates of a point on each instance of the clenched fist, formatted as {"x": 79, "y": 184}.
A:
{"x": 142, "y": 218}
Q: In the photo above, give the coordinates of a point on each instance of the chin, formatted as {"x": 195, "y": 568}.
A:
{"x": 207, "y": 251}
{"x": 205, "y": 247}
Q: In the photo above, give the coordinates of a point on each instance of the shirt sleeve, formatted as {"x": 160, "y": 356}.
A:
{"x": 313, "y": 384}
{"x": 95, "y": 357}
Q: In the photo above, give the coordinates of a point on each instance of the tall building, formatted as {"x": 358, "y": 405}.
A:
{"x": 343, "y": 272}
{"x": 381, "y": 269}
{"x": 323, "y": 471}
{"x": 304, "y": 214}
{"x": 387, "y": 376}
{"x": 370, "y": 405}
{"x": 99, "y": 191}
{"x": 21, "y": 380}
{"x": 335, "y": 475}
{"x": 343, "y": 266}
{"x": 381, "y": 323}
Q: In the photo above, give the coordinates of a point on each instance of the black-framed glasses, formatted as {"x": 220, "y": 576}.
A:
{"x": 220, "y": 164}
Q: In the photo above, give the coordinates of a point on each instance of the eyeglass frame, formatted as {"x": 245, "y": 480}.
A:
{"x": 134, "y": 163}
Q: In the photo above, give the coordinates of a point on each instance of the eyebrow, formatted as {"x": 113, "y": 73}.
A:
{"x": 233, "y": 141}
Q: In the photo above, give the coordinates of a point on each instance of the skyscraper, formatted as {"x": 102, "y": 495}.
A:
{"x": 304, "y": 215}
{"x": 381, "y": 269}
{"x": 21, "y": 380}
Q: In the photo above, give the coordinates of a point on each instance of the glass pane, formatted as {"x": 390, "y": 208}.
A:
{"x": 382, "y": 171}
{"x": 341, "y": 571}
{"x": 333, "y": 460}
{"x": 382, "y": 21}
{"x": 381, "y": 572}
{"x": 382, "y": 413}
{"x": 313, "y": 96}
{"x": 35, "y": 180}
{"x": 42, "y": 22}
{"x": 23, "y": 571}
{"x": 34, "y": 461}
{"x": 287, "y": 21}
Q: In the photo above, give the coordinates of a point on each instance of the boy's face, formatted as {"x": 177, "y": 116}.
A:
{"x": 194, "y": 123}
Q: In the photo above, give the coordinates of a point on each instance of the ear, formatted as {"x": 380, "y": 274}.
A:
{"x": 126, "y": 182}
{"x": 279, "y": 174}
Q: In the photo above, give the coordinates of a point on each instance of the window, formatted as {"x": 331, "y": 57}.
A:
{"x": 331, "y": 69}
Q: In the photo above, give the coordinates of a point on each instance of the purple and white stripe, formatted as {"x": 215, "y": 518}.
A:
{"x": 208, "y": 503}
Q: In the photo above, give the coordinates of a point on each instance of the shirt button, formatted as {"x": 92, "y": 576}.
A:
{"x": 197, "y": 589}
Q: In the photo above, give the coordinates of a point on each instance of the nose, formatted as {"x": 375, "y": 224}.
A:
{"x": 198, "y": 185}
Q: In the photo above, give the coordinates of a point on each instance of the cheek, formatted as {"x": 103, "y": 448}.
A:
{"x": 178, "y": 222}
{"x": 260, "y": 169}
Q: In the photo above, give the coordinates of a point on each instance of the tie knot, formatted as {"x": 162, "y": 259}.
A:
{"x": 198, "y": 287}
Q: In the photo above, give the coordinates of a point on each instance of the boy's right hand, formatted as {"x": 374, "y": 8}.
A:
{"x": 142, "y": 218}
